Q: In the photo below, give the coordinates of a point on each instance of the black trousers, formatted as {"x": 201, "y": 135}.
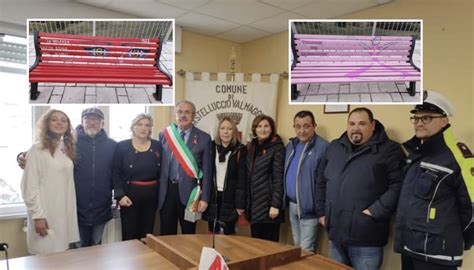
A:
{"x": 410, "y": 263}
{"x": 139, "y": 219}
{"x": 172, "y": 211}
{"x": 267, "y": 231}
{"x": 229, "y": 227}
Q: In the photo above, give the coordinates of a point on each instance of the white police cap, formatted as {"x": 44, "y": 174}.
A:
{"x": 434, "y": 102}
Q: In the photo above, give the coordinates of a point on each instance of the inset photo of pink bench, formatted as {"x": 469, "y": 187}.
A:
{"x": 356, "y": 61}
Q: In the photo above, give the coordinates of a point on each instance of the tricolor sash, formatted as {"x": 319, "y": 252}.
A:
{"x": 186, "y": 159}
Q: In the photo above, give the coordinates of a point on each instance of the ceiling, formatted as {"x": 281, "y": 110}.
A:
{"x": 239, "y": 21}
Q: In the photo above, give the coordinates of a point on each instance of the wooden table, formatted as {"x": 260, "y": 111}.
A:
{"x": 131, "y": 254}
{"x": 242, "y": 252}
{"x": 314, "y": 262}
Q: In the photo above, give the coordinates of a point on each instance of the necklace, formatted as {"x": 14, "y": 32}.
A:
{"x": 140, "y": 146}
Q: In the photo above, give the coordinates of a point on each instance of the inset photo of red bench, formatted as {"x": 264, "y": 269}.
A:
{"x": 99, "y": 61}
{"x": 355, "y": 61}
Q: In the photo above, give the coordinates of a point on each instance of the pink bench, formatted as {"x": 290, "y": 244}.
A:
{"x": 349, "y": 59}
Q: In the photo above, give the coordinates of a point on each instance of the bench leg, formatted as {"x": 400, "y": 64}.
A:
{"x": 412, "y": 89}
{"x": 158, "y": 93}
{"x": 294, "y": 92}
{"x": 34, "y": 93}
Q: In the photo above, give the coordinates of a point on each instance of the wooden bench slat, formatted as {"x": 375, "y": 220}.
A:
{"x": 344, "y": 37}
{"x": 74, "y": 73}
{"x": 108, "y": 54}
{"x": 373, "y": 58}
{"x": 100, "y": 69}
{"x": 350, "y": 64}
{"x": 358, "y": 79}
{"x": 99, "y": 38}
{"x": 95, "y": 65}
{"x": 100, "y": 80}
{"x": 354, "y": 47}
{"x": 355, "y": 74}
{"x": 100, "y": 60}
{"x": 88, "y": 48}
{"x": 352, "y": 42}
{"x": 348, "y": 53}
{"x": 350, "y": 69}
{"x": 88, "y": 43}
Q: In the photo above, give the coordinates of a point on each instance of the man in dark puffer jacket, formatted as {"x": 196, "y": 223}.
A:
{"x": 357, "y": 191}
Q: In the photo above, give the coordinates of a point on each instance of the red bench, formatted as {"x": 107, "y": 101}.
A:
{"x": 64, "y": 58}
{"x": 348, "y": 59}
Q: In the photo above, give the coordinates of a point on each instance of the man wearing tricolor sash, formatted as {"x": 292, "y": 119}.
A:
{"x": 186, "y": 172}
{"x": 435, "y": 217}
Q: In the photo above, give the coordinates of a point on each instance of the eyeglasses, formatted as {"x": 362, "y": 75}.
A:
{"x": 425, "y": 119}
{"x": 92, "y": 118}
{"x": 179, "y": 112}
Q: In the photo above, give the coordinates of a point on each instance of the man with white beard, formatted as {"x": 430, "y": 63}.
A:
{"x": 93, "y": 177}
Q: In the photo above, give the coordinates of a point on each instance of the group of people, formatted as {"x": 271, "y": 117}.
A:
{"x": 352, "y": 186}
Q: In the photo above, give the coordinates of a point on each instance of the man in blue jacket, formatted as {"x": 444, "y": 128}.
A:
{"x": 358, "y": 186}
{"x": 303, "y": 154}
{"x": 93, "y": 177}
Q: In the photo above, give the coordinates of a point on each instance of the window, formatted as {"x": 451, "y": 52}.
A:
{"x": 120, "y": 120}
{"x": 15, "y": 137}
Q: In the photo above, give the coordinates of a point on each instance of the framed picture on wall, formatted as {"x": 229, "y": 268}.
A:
{"x": 338, "y": 108}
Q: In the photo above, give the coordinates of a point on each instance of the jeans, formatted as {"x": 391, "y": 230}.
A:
{"x": 304, "y": 230}
{"x": 90, "y": 235}
{"x": 361, "y": 258}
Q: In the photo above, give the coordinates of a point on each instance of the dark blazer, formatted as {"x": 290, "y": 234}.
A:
{"x": 199, "y": 143}
{"x": 123, "y": 168}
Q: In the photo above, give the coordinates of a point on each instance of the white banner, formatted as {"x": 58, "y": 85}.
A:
{"x": 240, "y": 100}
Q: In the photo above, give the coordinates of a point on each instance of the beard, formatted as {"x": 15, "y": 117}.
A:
{"x": 356, "y": 138}
{"x": 91, "y": 132}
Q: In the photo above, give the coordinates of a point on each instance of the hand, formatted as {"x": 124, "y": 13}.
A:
{"x": 240, "y": 211}
{"x": 125, "y": 201}
{"x": 273, "y": 213}
{"x": 367, "y": 212}
{"x": 41, "y": 227}
{"x": 202, "y": 206}
{"x": 21, "y": 159}
{"x": 322, "y": 221}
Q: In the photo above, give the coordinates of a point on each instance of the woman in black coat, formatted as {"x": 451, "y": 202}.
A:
{"x": 228, "y": 188}
{"x": 265, "y": 166}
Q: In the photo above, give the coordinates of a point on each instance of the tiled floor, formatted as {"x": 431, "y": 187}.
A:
{"x": 105, "y": 93}
{"x": 361, "y": 92}
{"x": 356, "y": 92}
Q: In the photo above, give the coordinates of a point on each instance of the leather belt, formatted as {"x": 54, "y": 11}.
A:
{"x": 143, "y": 183}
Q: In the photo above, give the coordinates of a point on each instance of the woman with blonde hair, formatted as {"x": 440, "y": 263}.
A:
{"x": 228, "y": 188}
{"x": 47, "y": 186}
{"x": 136, "y": 174}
